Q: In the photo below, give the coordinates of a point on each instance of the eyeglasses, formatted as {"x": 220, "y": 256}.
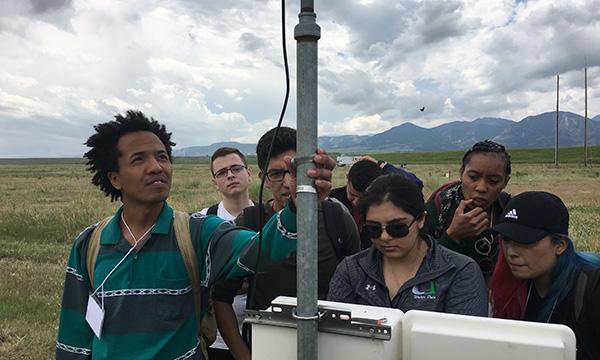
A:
{"x": 277, "y": 175}
{"x": 397, "y": 229}
{"x": 235, "y": 169}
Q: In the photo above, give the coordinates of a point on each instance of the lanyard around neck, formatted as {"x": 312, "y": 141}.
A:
{"x": 135, "y": 242}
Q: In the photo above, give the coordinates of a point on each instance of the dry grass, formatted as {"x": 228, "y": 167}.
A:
{"x": 45, "y": 204}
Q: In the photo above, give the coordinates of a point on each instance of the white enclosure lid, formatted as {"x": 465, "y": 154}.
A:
{"x": 430, "y": 335}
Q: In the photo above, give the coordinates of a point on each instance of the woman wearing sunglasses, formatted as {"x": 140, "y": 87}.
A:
{"x": 462, "y": 212}
{"x": 404, "y": 268}
{"x": 540, "y": 277}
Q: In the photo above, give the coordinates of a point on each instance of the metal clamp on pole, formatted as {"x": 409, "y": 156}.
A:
{"x": 298, "y": 317}
{"x": 305, "y": 189}
{"x": 299, "y": 160}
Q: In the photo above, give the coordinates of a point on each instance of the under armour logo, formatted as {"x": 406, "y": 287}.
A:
{"x": 512, "y": 214}
{"x": 370, "y": 287}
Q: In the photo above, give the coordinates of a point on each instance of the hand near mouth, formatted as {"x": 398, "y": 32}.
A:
{"x": 467, "y": 223}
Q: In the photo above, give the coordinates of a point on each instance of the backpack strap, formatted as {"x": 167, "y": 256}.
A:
{"x": 184, "y": 241}
{"x": 586, "y": 282}
{"x": 213, "y": 209}
{"x": 579, "y": 293}
{"x": 334, "y": 225}
{"x": 93, "y": 248}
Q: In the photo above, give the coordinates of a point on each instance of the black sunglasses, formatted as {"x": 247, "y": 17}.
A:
{"x": 396, "y": 229}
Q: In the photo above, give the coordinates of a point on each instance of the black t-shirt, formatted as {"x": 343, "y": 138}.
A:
{"x": 534, "y": 302}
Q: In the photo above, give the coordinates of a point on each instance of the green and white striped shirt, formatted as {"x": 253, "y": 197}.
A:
{"x": 148, "y": 300}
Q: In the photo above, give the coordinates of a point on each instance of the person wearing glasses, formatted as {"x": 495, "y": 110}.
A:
{"x": 462, "y": 212}
{"x": 540, "y": 277}
{"x": 280, "y": 280}
{"x": 232, "y": 178}
{"x": 406, "y": 268}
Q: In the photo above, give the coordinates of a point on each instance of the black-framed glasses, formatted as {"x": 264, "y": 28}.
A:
{"x": 277, "y": 175}
{"x": 235, "y": 169}
{"x": 396, "y": 229}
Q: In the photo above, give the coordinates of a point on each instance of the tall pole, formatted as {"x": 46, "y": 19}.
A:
{"x": 556, "y": 144}
{"x": 585, "y": 124}
{"x": 307, "y": 34}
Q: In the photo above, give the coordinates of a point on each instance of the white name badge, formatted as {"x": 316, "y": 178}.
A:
{"x": 94, "y": 315}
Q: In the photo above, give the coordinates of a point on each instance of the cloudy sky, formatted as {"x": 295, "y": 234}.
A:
{"x": 212, "y": 70}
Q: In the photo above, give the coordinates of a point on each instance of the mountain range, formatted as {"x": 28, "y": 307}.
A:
{"x": 533, "y": 131}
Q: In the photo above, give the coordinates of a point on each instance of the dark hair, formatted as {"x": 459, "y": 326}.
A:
{"x": 487, "y": 147}
{"x": 362, "y": 173}
{"x": 104, "y": 153}
{"x": 397, "y": 189}
{"x": 285, "y": 141}
{"x": 224, "y": 151}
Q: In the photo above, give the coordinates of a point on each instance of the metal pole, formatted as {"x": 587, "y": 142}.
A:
{"x": 307, "y": 34}
{"x": 556, "y": 144}
{"x": 585, "y": 124}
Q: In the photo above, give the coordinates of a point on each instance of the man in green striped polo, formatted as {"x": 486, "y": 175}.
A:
{"x": 139, "y": 279}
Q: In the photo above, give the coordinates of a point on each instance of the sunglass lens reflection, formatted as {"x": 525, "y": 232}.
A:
{"x": 394, "y": 230}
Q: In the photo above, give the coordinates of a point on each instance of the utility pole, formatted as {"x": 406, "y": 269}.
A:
{"x": 585, "y": 124}
{"x": 307, "y": 33}
{"x": 556, "y": 144}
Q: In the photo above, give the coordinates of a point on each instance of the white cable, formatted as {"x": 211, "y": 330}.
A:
{"x": 135, "y": 242}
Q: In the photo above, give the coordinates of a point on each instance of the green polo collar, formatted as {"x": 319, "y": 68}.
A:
{"x": 112, "y": 232}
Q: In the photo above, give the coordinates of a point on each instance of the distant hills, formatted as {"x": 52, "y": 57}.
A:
{"x": 210, "y": 149}
{"x": 533, "y": 131}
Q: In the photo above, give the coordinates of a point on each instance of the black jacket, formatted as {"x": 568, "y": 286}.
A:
{"x": 587, "y": 325}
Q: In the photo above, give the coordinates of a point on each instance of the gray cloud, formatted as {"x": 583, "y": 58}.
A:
{"x": 356, "y": 88}
{"x": 44, "y": 6}
{"x": 554, "y": 40}
{"x": 439, "y": 20}
{"x": 250, "y": 42}
{"x": 211, "y": 70}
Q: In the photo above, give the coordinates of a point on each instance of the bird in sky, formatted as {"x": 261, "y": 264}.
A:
{"x": 422, "y": 109}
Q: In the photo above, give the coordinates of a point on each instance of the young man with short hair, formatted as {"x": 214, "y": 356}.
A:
{"x": 281, "y": 278}
{"x": 141, "y": 298}
{"x": 232, "y": 178}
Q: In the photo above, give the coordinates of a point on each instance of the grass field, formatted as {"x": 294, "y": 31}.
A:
{"x": 45, "y": 203}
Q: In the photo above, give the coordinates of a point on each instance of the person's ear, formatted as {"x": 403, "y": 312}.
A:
{"x": 561, "y": 246}
{"x": 421, "y": 221}
{"x": 113, "y": 177}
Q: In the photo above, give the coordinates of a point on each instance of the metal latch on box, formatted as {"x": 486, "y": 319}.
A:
{"x": 331, "y": 320}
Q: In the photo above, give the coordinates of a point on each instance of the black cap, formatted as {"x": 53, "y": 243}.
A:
{"x": 530, "y": 216}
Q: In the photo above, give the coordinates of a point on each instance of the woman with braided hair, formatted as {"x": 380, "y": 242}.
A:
{"x": 461, "y": 213}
